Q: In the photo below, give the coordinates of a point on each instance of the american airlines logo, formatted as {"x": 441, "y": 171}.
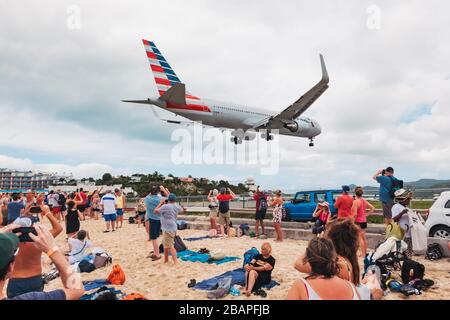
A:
{"x": 209, "y": 146}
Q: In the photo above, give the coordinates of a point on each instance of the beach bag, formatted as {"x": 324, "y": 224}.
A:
{"x": 434, "y": 252}
{"x": 86, "y": 266}
{"x": 179, "y": 244}
{"x": 224, "y": 206}
{"x": 249, "y": 255}
{"x": 117, "y": 275}
{"x": 244, "y": 229}
{"x": 131, "y": 220}
{"x": 181, "y": 225}
{"x": 393, "y": 229}
{"x": 419, "y": 233}
{"x": 102, "y": 260}
{"x": 217, "y": 255}
{"x": 412, "y": 270}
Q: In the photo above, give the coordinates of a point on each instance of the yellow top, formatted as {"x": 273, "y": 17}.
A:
{"x": 119, "y": 201}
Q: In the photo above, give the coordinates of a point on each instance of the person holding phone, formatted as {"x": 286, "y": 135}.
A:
{"x": 27, "y": 273}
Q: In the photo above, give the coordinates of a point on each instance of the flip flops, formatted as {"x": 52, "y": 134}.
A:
{"x": 261, "y": 292}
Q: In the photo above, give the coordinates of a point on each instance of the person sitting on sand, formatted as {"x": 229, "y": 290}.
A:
{"x": 277, "y": 203}
{"x": 44, "y": 242}
{"x": 140, "y": 210}
{"x": 345, "y": 237}
{"x": 27, "y": 273}
{"x": 322, "y": 215}
{"x": 259, "y": 271}
{"x": 78, "y": 244}
{"x": 322, "y": 283}
{"x": 168, "y": 212}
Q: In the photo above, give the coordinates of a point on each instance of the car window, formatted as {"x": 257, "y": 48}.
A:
{"x": 302, "y": 197}
{"x": 320, "y": 197}
{"x": 335, "y": 196}
{"x": 447, "y": 205}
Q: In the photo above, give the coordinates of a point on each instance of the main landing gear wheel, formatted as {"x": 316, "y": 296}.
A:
{"x": 311, "y": 143}
{"x": 267, "y": 136}
{"x": 236, "y": 140}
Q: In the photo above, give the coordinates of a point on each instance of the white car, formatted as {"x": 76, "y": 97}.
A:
{"x": 438, "y": 221}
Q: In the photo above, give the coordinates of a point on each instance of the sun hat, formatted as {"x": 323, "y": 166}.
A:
{"x": 402, "y": 194}
{"x": 324, "y": 204}
{"x": 9, "y": 243}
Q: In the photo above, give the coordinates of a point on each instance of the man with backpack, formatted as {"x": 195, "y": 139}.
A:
{"x": 224, "y": 208}
{"x": 261, "y": 209}
{"x": 388, "y": 185}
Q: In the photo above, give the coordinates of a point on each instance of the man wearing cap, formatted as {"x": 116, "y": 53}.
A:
{"x": 44, "y": 242}
{"x": 109, "y": 207}
{"x": 400, "y": 215}
{"x": 152, "y": 219}
{"x": 168, "y": 213}
{"x": 344, "y": 203}
{"x": 385, "y": 178}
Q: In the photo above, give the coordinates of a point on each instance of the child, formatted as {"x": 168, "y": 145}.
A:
{"x": 78, "y": 245}
{"x": 322, "y": 215}
{"x": 141, "y": 210}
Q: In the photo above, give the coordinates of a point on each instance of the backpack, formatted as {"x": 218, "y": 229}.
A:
{"x": 395, "y": 185}
{"x": 224, "y": 206}
{"x": 181, "y": 225}
{"x": 249, "y": 255}
{"x": 262, "y": 204}
{"x": 117, "y": 275}
{"x": 86, "y": 266}
{"x": 131, "y": 220}
{"x": 61, "y": 199}
{"x": 179, "y": 245}
{"x": 434, "y": 252}
{"x": 101, "y": 260}
{"x": 412, "y": 270}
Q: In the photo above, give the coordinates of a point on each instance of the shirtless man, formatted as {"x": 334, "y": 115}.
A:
{"x": 27, "y": 274}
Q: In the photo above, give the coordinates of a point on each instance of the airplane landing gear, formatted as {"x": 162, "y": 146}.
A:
{"x": 311, "y": 143}
{"x": 267, "y": 136}
{"x": 236, "y": 140}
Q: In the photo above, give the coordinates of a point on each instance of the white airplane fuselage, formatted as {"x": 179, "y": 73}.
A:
{"x": 234, "y": 116}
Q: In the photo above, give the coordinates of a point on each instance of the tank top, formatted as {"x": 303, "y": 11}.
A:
{"x": 361, "y": 211}
{"x": 312, "y": 295}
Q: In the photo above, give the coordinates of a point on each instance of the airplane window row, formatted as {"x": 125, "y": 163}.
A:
{"x": 241, "y": 110}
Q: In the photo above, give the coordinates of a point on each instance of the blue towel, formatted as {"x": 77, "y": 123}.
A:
{"x": 193, "y": 256}
{"x": 92, "y": 296}
{"x": 238, "y": 278}
{"x": 94, "y": 284}
{"x": 197, "y": 238}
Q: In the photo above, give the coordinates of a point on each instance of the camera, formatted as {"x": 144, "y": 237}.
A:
{"x": 25, "y": 233}
{"x": 35, "y": 208}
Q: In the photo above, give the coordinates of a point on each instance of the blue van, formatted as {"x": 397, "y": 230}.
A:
{"x": 302, "y": 206}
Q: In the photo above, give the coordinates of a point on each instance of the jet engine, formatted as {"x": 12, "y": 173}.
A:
{"x": 292, "y": 126}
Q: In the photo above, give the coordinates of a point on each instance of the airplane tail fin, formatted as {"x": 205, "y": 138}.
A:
{"x": 163, "y": 73}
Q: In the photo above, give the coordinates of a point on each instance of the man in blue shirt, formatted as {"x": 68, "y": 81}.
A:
{"x": 152, "y": 219}
{"x": 15, "y": 208}
{"x": 385, "y": 177}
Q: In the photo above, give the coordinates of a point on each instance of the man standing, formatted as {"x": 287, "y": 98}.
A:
{"x": 386, "y": 180}
{"x": 168, "y": 213}
{"x": 153, "y": 219}
{"x": 53, "y": 203}
{"x": 261, "y": 208}
{"x": 108, "y": 205}
{"x": 344, "y": 203}
{"x": 121, "y": 205}
{"x": 224, "y": 209}
{"x": 15, "y": 208}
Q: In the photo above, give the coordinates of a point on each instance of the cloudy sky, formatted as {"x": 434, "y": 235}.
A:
{"x": 388, "y": 101}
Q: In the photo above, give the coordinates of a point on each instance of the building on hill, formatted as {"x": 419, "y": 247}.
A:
{"x": 186, "y": 180}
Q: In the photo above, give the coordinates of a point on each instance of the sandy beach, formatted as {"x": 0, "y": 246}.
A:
{"x": 156, "y": 280}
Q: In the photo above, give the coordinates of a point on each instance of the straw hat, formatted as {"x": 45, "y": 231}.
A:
{"x": 402, "y": 194}
{"x": 324, "y": 204}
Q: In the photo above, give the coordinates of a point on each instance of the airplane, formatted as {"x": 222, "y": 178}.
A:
{"x": 243, "y": 120}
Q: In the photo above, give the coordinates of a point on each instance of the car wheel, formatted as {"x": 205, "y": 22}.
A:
{"x": 441, "y": 232}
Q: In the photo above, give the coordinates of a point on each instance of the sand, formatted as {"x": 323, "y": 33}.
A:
{"x": 156, "y": 280}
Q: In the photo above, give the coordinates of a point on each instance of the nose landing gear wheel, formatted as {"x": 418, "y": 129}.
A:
{"x": 311, "y": 143}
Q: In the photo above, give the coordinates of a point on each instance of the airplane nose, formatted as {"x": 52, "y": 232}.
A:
{"x": 318, "y": 129}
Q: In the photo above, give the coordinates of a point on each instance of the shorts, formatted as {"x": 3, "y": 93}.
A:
{"x": 224, "y": 218}
{"x": 119, "y": 212}
{"x": 155, "y": 228}
{"x": 213, "y": 213}
{"x": 168, "y": 239}
{"x": 20, "y": 286}
{"x": 141, "y": 215}
{"x": 56, "y": 210}
{"x": 362, "y": 225}
{"x": 387, "y": 209}
{"x": 96, "y": 209}
{"x": 81, "y": 207}
{"x": 110, "y": 217}
{"x": 260, "y": 215}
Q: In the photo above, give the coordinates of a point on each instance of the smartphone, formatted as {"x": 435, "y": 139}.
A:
{"x": 25, "y": 233}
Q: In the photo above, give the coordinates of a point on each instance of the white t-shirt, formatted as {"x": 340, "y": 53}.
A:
{"x": 404, "y": 220}
{"x": 78, "y": 249}
{"x": 53, "y": 199}
{"x": 109, "y": 203}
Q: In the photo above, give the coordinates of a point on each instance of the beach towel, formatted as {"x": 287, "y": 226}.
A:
{"x": 197, "y": 238}
{"x": 193, "y": 256}
{"x": 92, "y": 296}
{"x": 237, "y": 276}
{"x": 94, "y": 284}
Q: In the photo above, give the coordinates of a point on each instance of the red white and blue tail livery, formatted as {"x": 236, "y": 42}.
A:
{"x": 243, "y": 120}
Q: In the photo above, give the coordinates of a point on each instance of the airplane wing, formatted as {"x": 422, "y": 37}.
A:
{"x": 300, "y": 106}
